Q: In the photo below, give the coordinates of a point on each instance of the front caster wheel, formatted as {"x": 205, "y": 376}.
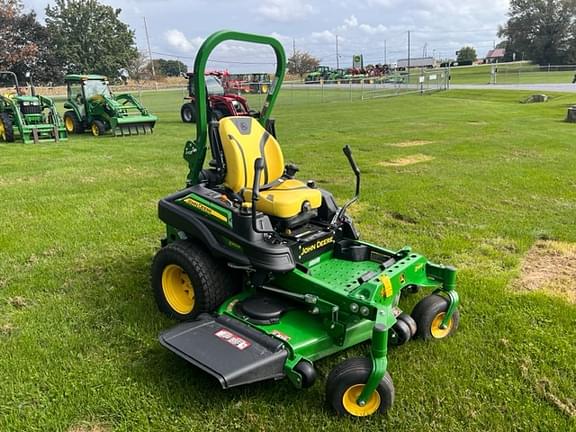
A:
{"x": 188, "y": 281}
{"x": 345, "y": 383}
{"x": 429, "y": 313}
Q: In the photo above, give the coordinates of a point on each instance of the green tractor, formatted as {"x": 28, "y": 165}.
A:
{"x": 31, "y": 119}
{"x": 268, "y": 274}
{"x": 320, "y": 73}
{"x": 92, "y": 106}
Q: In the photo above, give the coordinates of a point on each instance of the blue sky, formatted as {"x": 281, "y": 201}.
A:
{"x": 438, "y": 27}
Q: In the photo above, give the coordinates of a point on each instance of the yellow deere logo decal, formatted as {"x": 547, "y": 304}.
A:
{"x": 315, "y": 246}
{"x": 402, "y": 278}
{"x": 205, "y": 209}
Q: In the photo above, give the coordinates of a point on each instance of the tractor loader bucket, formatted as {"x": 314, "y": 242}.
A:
{"x": 135, "y": 125}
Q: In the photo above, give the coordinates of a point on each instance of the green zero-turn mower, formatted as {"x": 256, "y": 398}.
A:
{"x": 268, "y": 273}
{"x": 31, "y": 119}
{"x": 92, "y": 106}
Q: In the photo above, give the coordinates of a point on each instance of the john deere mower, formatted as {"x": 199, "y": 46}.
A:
{"x": 268, "y": 273}
{"x": 29, "y": 118}
{"x": 92, "y": 106}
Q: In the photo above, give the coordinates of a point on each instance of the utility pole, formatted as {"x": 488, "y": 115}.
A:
{"x": 150, "y": 52}
{"x": 293, "y": 48}
{"x": 408, "y": 50}
{"x": 337, "y": 55}
{"x": 385, "y": 59}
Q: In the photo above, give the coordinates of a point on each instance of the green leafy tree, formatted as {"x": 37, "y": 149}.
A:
{"x": 466, "y": 55}
{"x": 24, "y": 43}
{"x": 170, "y": 68}
{"x": 301, "y": 63}
{"x": 541, "y": 30}
{"x": 89, "y": 37}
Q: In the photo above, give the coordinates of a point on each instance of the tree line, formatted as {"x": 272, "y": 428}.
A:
{"x": 79, "y": 36}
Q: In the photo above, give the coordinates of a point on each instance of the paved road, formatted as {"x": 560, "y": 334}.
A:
{"x": 532, "y": 87}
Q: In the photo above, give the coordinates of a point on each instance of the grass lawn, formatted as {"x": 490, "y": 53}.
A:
{"x": 513, "y": 73}
{"x": 78, "y": 324}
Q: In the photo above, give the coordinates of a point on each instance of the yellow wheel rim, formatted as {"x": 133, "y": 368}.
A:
{"x": 2, "y": 131}
{"x": 436, "y": 330}
{"x": 95, "y": 130}
{"x": 178, "y": 289}
{"x": 265, "y": 89}
{"x": 351, "y": 396}
{"x": 69, "y": 124}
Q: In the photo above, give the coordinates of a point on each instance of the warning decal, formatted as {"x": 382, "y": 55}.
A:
{"x": 233, "y": 339}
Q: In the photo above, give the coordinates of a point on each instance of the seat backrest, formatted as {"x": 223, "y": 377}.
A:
{"x": 243, "y": 141}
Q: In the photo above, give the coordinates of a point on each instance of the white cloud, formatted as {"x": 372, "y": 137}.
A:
{"x": 178, "y": 40}
{"x": 351, "y": 22}
{"x": 285, "y": 10}
{"x": 323, "y": 36}
{"x": 371, "y": 30}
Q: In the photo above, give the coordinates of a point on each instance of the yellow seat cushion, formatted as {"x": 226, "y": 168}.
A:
{"x": 286, "y": 199}
{"x": 243, "y": 141}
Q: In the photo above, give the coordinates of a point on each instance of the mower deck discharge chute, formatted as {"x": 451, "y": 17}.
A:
{"x": 92, "y": 106}
{"x": 31, "y": 119}
{"x": 269, "y": 273}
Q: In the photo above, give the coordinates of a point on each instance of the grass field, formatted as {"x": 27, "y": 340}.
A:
{"x": 513, "y": 73}
{"x": 78, "y": 324}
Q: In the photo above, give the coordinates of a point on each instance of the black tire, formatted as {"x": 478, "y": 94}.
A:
{"x": 410, "y": 321}
{"x": 428, "y": 312}
{"x": 308, "y": 373}
{"x": 399, "y": 334}
{"x": 8, "y": 127}
{"x": 211, "y": 281}
{"x": 98, "y": 128}
{"x": 346, "y": 379}
{"x": 188, "y": 113}
{"x": 72, "y": 123}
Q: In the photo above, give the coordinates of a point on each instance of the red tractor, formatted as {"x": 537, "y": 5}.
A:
{"x": 221, "y": 104}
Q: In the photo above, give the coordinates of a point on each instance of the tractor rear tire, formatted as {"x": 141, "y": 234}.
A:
{"x": 346, "y": 381}
{"x": 188, "y": 281}
{"x": 98, "y": 128}
{"x": 7, "y": 128}
{"x": 429, "y": 313}
{"x": 188, "y": 113}
{"x": 72, "y": 123}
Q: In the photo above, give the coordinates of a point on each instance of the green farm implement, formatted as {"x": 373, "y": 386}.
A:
{"x": 92, "y": 106}
{"x": 268, "y": 273}
{"x": 28, "y": 118}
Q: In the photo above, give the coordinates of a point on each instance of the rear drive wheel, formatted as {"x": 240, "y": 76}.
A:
{"x": 188, "y": 281}
{"x": 345, "y": 383}
{"x": 188, "y": 113}
{"x": 6, "y": 128}
{"x": 72, "y": 123}
{"x": 98, "y": 128}
{"x": 429, "y": 313}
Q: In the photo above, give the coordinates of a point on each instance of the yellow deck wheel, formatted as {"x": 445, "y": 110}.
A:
{"x": 437, "y": 331}
{"x": 95, "y": 130}
{"x": 2, "y": 131}
{"x": 351, "y": 406}
{"x": 178, "y": 289}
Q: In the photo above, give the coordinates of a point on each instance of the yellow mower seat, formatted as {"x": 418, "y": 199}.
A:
{"x": 243, "y": 141}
